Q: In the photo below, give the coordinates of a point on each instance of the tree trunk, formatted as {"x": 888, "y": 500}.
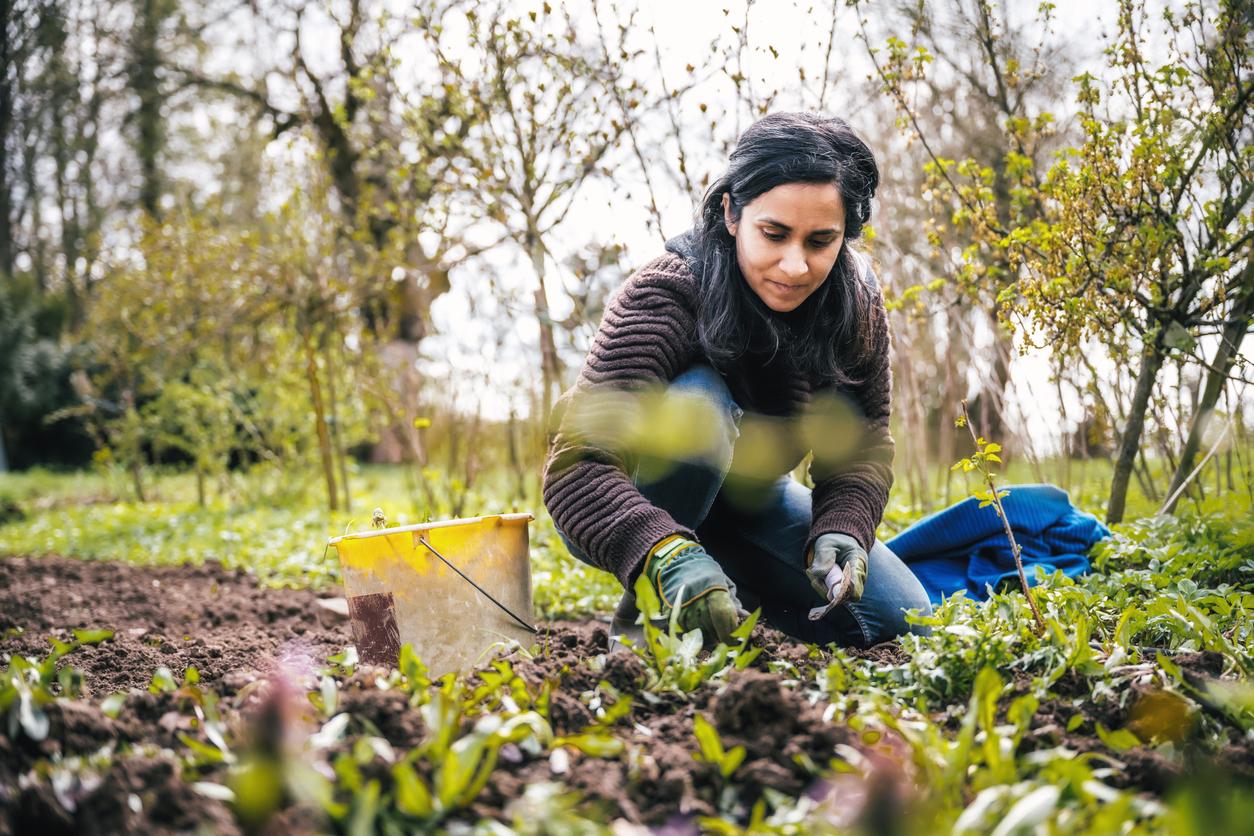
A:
{"x": 515, "y": 460}
{"x": 320, "y": 419}
{"x": 945, "y": 444}
{"x": 1216, "y": 378}
{"x": 7, "y": 59}
{"x": 338, "y": 437}
{"x": 989, "y": 403}
{"x": 145, "y": 59}
{"x": 137, "y": 481}
{"x": 550, "y": 363}
{"x": 1130, "y": 441}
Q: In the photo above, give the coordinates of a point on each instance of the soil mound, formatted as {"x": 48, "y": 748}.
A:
{"x": 207, "y": 617}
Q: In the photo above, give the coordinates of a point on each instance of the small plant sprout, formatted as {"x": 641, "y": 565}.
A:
{"x": 711, "y": 748}
{"x": 984, "y": 455}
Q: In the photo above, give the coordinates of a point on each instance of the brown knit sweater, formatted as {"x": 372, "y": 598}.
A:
{"x": 647, "y": 337}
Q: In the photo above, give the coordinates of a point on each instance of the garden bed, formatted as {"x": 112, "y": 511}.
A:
{"x": 210, "y": 686}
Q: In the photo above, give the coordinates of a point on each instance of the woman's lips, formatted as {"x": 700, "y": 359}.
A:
{"x": 785, "y": 288}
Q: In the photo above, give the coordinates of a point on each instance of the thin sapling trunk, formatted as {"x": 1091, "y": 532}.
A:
{"x": 986, "y": 452}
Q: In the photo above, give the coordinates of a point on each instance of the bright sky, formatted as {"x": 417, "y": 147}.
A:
{"x": 501, "y": 365}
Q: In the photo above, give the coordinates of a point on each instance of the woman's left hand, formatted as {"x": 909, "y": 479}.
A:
{"x": 830, "y": 551}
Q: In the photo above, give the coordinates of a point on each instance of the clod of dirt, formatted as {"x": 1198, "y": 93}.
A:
{"x": 624, "y": 671}
{"x": 389, "y": 711}
{"x": 561, "y": 652}
{"x": 567, "y": 714}
{"x": 137, "y": 795}
{"x": 77, "y": 726}
{"x": 775, "y": 724}
{"x": 1205, "y": 663}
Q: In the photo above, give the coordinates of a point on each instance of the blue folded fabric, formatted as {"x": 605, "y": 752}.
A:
{"x": 965, "y": 546}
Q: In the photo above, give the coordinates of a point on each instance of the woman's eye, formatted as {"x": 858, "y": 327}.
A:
{"x": 818, "y": 245}
{"x": 773, "y": 236}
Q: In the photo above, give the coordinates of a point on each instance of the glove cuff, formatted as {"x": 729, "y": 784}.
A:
{"x": 669, "y": 545}
{"x": 664, "y": 552}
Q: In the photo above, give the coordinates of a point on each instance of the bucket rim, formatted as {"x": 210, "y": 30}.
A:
{"x": 427, "y": 526}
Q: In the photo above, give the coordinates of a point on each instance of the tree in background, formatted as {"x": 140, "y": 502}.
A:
{"x": 1136, "y": 238}
{"x": 982, "y": 75}
{"x": 537, "y": 99}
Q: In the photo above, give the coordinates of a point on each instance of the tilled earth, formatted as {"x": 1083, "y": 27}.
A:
{"x": 217, "y": 621}
{"x": 242, "y": 638}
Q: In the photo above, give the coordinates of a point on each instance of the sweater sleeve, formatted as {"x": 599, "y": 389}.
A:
{"x": 850, "y": 495}
{"x": 646, "y": 337}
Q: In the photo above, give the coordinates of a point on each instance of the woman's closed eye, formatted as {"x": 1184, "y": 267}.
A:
{"x": 816, "y": 243}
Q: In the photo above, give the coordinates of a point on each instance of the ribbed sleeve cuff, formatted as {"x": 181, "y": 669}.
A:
{"x": 634, "y": 535}
{"x": 835, "y": 523}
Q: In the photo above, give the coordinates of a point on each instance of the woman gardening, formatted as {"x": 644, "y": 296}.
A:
{"x": 758, "y": 338}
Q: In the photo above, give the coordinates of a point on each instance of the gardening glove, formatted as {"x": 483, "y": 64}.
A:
{"x": 835, "y": 556}
{"x": 685, "y": 576}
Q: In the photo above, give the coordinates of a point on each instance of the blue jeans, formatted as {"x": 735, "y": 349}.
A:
{"x": 760, "y": 547}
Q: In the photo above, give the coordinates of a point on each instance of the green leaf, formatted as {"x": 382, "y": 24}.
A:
{"x": 163, "y": 681}
{"x": 707, "y": 739}
{"x": 111, "y": 705}
{"x": 646, "y": 599}
{"x": 731, "y": 761}
{"x": 92, "y": 636}
{"x": 365, "y": 810}
{"x": 218, "y": 792}
{"x": 1029, "y": 811}
{"x": 746, "y": 627}
{"x": 32, "y": 718}
{"x": 412, "y": 796}
{"x": 209, "y": 754}
{"x": 596, "y": 745}
{"x": 330, "y": 694}
{"x": 1120, "y": 739}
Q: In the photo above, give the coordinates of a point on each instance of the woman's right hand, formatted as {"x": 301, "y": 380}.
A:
{"x": 684, "y": 575}
{"x": 832, "y": 552}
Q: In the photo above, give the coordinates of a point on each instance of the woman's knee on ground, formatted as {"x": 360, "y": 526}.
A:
{"x": 892, "y": 591}
{"x": 715, "y": 414}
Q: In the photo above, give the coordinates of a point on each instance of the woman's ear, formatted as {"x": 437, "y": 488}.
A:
{"x": 727, "y": 218}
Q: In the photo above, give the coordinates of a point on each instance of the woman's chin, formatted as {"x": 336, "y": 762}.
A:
{"x": 787, "y": 305}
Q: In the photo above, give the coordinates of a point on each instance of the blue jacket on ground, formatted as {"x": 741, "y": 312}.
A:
{"x": 965, "y": 547}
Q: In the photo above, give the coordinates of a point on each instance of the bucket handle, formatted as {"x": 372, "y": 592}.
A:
{"x": 507, "y": 610}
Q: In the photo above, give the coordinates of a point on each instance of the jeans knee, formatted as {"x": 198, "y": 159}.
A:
{"x": 919, "y": 603}
{"x": 897, "y": 592}
{"x": 716, "y": 413}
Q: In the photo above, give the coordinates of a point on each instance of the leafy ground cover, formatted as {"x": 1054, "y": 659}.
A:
{"x": 169, "y": 691}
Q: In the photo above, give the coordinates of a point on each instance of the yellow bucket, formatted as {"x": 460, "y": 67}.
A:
{"x": 451, "y": 589}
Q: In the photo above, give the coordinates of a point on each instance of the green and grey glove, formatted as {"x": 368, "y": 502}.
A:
{"x": 684, "y": 575}
{"x": 835, "y": 557}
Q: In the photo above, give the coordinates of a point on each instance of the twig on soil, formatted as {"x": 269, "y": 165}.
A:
{"x": 980, "y": 460}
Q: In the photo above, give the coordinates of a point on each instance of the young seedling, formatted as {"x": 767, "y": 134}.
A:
{"x": 711, "y": 748}
{"x": 985, "y": 453}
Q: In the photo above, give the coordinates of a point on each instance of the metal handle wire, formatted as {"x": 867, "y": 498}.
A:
{"x": 507, "y": 610}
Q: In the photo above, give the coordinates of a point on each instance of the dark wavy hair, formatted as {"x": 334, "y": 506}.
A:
{"x": 830, "y": 336}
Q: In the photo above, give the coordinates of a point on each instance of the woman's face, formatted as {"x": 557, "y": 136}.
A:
{"x": 787, "y": 240}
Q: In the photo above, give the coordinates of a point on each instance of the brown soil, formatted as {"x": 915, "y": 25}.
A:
{"x": 220, "y": 622}
{"x": 257, "y": 649}
{"x": 215, "y": 620}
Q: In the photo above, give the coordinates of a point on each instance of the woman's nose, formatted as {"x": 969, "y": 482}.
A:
{"x": 793, "y": 263}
